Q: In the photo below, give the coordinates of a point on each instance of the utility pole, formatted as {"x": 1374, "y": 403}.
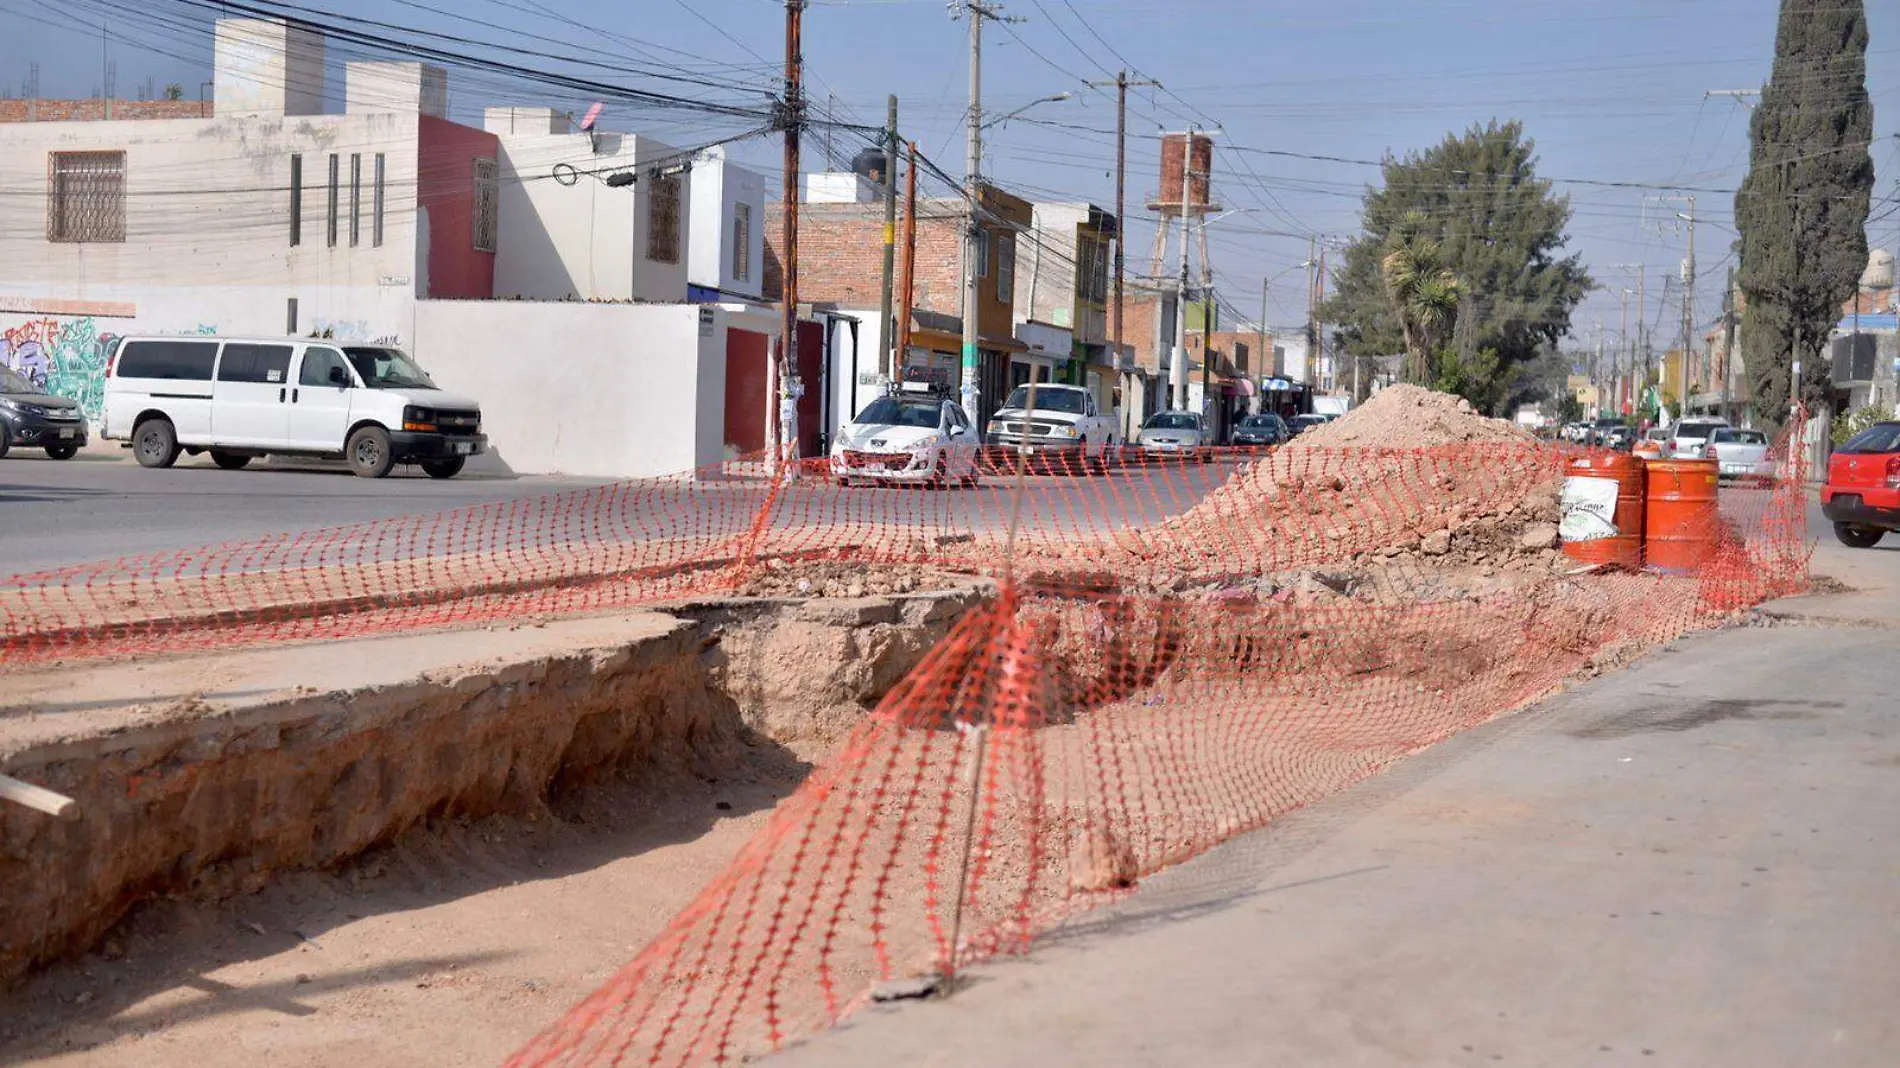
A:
{"x": 784, "y": 437}
{"x": 1728, "y": 343}
{"x": 910, "y": 266}
{"x": 887, "y": 335}
{"x": 1688, "y": 313}
{"x": 978, "y": 10}
{"x": 1121, "y": 84}
{"x": 1266, "y": 358}
{"x": 1312, "y": 328}
{"x": 1177, "y": 364}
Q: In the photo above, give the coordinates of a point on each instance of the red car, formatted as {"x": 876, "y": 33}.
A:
{"x": 1862, "y": 495}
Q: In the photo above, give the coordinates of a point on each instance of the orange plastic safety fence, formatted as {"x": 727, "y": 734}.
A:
{"x": 1178, "y": 651}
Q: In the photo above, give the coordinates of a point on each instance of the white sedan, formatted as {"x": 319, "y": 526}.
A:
{"x": 909, "y": 438}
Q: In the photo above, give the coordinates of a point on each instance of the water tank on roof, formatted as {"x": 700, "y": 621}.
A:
{"x": 1879, "y": 273}
{"x": 869, "y": 164}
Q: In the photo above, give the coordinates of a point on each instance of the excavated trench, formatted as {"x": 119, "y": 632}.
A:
{"x": 190, "y": 797}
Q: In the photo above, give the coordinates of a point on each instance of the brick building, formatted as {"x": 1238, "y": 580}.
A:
{"x": 841, "y": 268}
{"x": 97, "y": 110}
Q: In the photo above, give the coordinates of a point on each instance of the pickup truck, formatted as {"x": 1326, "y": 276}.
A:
{"x": 1064, "y": 421}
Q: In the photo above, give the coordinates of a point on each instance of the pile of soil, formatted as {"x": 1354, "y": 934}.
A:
{"x": 1410, "y": 473}
{"x": 1410, "y": 417}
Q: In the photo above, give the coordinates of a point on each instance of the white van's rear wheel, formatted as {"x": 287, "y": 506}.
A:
{"x": 369, "y": 452}
{"x": 155, "y": 443}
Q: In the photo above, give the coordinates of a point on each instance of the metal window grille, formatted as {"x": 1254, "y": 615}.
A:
{"x": 663, "y": 219}
{"x": 356, "y": 198}
{"x": 1005, "y": 268}
{"x": 296, "y": 200}
{"x": 376, "y": 221}
{"x": 487, "y": 215}
{"x": 85, "y": 197}
{"x": 333, "y": 198}
{"x": 742, "y": 242}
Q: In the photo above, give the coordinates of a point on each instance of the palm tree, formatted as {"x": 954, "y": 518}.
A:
{"x": 1423, "y": 292}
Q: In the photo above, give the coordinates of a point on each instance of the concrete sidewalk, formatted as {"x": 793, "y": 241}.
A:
{"x": 1691, "y": 863}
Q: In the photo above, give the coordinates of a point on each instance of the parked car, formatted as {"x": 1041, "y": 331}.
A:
{"x": 907, "y": 438}
{"x": 1599, "y": 431}
{"x": 1690, "y": 436}
{"x": 1261, "y": 430}
{"x": 1862, "y": 495}
{"x": 1654, "y": 442}
{"x": 239, "y": 398}
{"x": 1300, "y": 424}
{"x": 1064, "y": 421}
{"x": 1175, "y": 434}
{"x": 32, "y": 418}
{"x": 1740, "y": 454}
{"x": 1621, "y": 437}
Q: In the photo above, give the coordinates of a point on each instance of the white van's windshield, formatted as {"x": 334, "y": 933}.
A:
{"x": 385, "y": 368}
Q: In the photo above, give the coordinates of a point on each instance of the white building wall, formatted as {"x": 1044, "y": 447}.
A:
{"x": 265, "y": 67}
{"x": 605, "y": 390}
{"x": 720, "y": 189}
{"x": 207, "y": 237}
{"x": 565, "y": 234}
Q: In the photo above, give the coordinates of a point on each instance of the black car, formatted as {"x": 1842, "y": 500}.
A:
{"x": 32, "y": 418}
{"x": 1300, "y": 424}
{"x": 1260, "y": 431}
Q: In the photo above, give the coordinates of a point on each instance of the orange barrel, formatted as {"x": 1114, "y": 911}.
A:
{"x": 1603, "y": 509}
{"x": 1682, "y": 520}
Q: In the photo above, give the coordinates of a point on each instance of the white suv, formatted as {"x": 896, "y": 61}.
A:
{"x": 1065, "y": 420}
{"x": 1691, "y": 436}
{"x": 240, "y": 398}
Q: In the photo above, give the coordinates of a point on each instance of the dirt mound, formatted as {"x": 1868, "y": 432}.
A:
{"x": 1408, "y": 417}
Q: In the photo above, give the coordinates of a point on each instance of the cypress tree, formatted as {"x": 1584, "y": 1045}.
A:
{"x": 1802, "y": 211}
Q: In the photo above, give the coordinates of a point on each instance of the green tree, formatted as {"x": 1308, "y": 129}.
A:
{"x": 1499, "y": 230}
{"x": 174, "y": 91}
{"x": 1422, "y": 292}
{"x": 1802, "y": 210}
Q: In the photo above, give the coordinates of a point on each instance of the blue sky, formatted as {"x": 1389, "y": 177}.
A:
{"x": 1612, "y": 90}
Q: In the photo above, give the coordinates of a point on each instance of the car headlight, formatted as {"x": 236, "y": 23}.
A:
{"x": 1064, "y": 431}
{"x": 926, "y": 442}
{"x": 995, "y": 426}
{"x": 17, "y": 406}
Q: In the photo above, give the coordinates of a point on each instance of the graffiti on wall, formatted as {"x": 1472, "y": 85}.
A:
{"x": 63, "y": 357}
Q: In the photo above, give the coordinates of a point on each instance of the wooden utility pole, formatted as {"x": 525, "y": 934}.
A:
{"x": 910, "y": 267}
{"x": 1728, "y": 345}
{"x": 887, "y": 337}
{"x": 784, "y": 421}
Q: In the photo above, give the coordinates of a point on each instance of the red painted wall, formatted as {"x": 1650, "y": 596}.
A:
{"x": 445, "y": 189}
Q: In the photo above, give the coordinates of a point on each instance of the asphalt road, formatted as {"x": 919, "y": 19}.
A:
{"x": 102, "y": 506}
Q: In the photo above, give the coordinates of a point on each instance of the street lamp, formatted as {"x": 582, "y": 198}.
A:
{"x": 1000, "y": 119}
{"x": 1266, "y": 285}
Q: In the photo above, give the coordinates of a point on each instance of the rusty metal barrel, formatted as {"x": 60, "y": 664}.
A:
{"x": 1603, "y": 509}
{"x": 1681, "y": 519}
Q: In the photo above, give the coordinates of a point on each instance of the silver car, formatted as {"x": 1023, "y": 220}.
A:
{"x": 1174, "y": 434}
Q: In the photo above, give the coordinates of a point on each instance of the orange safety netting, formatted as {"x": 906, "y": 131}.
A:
{"x": 1177, "y": 653}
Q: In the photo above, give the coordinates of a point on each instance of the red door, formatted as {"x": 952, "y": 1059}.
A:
{"x": 748, "y": 382}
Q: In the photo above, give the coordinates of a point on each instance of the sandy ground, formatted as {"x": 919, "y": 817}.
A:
{"x": 450, "y": 948}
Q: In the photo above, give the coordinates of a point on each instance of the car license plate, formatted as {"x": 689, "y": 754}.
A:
{"x": 463, "y": 448}
{"x": 65, "y": 432}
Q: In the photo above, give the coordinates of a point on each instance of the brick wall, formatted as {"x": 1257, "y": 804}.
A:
{"x": 841, "y": 254}
{"x": 95, "y": 110}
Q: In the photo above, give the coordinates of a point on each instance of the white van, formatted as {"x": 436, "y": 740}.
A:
{"x": 241, "y": 397}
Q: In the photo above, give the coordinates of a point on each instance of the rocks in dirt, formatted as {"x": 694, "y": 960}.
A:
{"x": 1100, "y": 860}
{"x": 1437, "y": 543}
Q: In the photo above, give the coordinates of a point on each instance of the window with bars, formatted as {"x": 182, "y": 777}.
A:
{"x": 663, "y": 219}
{"x": 85, "y": 197}
{"x": 376, "y": 217}
{"x": 296, "y": 201}
{"x": 486, "y": 222}
{"x": 1005, "y": 268}
{"x": 742, "y": 242}
{"x": 356, "y": 198}
{"x": 333, "y": 199}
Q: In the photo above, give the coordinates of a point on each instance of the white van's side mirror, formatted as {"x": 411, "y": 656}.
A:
{"x": 339, "y": 376}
